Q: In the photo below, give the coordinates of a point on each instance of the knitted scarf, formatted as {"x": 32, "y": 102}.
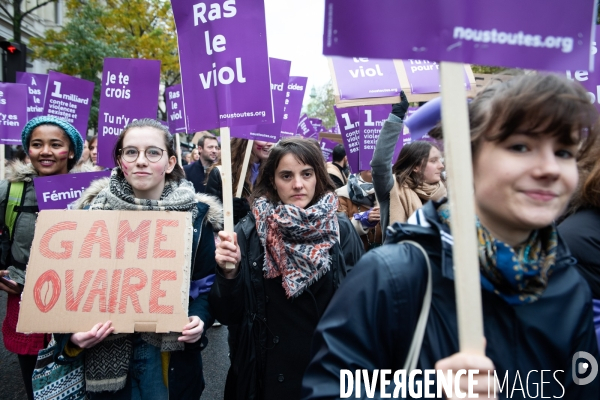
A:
{"x": 360, "y": 191}
{"x": 107, "y": 363}
{"x": 404, "y": 201}
{"x": 297, "y": 241}
{"x": 519, "y": 275}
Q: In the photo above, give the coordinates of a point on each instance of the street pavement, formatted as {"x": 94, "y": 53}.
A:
{"x": 214, "y": 358}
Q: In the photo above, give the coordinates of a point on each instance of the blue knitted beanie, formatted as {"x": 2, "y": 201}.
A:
{"x": 72, "y": 133}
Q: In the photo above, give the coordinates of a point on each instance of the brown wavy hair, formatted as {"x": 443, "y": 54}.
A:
{"x": 413, "y": 155}
{"x": 306, "y": 151}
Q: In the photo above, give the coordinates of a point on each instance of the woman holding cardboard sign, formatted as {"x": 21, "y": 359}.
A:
{"x": 150, "y": 365}
{"x": 289, "y": 254}
{"x": 54, "y": 147}
{"x": 526, "y": 135}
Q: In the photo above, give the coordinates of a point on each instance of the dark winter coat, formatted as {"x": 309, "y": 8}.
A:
{"x": 386, "y": 290}
{"x": 194, "y": 173}
{"x": 273, "y": 332}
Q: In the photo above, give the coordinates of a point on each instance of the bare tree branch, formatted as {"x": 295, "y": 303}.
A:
{"x": 6, "y": 11}
{"x": 36, "y": 7}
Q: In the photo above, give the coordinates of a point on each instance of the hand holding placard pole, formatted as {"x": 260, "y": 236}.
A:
{"x": 457, "y": 149}
{"x": 227, "y": 183}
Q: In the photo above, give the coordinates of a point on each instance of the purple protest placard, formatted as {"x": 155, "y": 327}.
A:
{"x": 349, "y": 126}
{"x": 175, "y": 115}
{"x": 56, "y": 192}
{"x": 371, "y": 121}
{"x": 359, "y": 78}
{"x": 327, "y": 148}
{"x": 36, "y": 92}
{"x": 69, "y": 98}
{"x": 317, "y": 123}
{"x": 306, "y": 129}
{"x": 129, "y": 92}
{"x": 224, "y": 63}
{"x": 293, "y": 105}
{"x": 589, "y": 80}
{"x": 280, "y": 75}
{"x": 424, "y": 76}
{"x": 501, "y": 33}
{"x": 13, "y": 112}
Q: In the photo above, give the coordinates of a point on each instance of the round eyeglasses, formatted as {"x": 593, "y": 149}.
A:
{"x": 152, "y": 154}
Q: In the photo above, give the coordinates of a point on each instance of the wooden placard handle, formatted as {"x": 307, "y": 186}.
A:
{"x": 458, "y": 161}
{"x": 227, "y": 183}
{"x": 240, "y": 187}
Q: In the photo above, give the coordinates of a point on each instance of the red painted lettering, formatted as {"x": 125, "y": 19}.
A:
{"x": 142, "y": 233}
{"x": 99, "y": 288}
{"x": 66, "y": 245}
{"x": 92, "y": 238}
{"x": 73, "y": 301}
{"x": 130, "y": 290}
{"x": 114, "y": 290}
{"x": 49, "y": 281}
{"x": 159, "y": 237}
{"x": 156, "y": 293}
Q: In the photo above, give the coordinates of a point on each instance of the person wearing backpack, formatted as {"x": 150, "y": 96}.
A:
{"x": 54, "y": 147}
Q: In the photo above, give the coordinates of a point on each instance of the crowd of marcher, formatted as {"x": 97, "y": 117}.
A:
{"x": 328, "y": 271}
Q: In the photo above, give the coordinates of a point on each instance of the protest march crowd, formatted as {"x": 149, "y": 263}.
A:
{"x": 336, "y": 281}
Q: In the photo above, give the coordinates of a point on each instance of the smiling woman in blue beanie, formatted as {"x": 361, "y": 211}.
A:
{"x": 54, "y": 147}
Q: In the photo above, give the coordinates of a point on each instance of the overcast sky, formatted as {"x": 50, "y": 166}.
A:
{"x": 295, "y": 33}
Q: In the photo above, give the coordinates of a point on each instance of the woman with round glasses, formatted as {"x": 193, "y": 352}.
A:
{"x": 151, "y": 365}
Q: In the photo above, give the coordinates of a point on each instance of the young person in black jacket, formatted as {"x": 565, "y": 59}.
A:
{"x": 289, "y": 254}
{"x": 526, "y": 135}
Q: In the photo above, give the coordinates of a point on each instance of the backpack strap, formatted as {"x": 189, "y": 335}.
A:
{"x": 417, "y": 340}
{"x": 15, "y": 201}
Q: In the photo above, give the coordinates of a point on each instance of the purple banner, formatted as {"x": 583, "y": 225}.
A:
{"x": 13, "y": 112}
{"x": 359, "y": 78}
{"x": 36, "y": 92}
{"x": 306, "y": 129}
{"x": 224, "y": 63}
{"x": 317, "y": 123}
{"x": 129, "y": 91}
{"x": 349, "y": 126}
{"x": 589, "y": 80}
{"x": 293, "y": 105}
{"x": 371, "y": 121}
{"x": 175, "y": 115}
{"x": 280, "y": 75}
{"x": 327, "y": 146}
{"x": 69, "y": 98}
{"x": 501, "y": 33}
{"x": 58, "y": 191}
{"x": 424, "y": 76}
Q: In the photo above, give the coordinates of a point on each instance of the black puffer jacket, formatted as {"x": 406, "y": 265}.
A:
{"x": 273, "y": 333}
{"x": 386, "y": 290}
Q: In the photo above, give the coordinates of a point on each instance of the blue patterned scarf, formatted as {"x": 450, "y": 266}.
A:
{"x": 519, "y": 275}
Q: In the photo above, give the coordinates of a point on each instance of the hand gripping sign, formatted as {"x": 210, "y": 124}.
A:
{"x": 130, "y": 267}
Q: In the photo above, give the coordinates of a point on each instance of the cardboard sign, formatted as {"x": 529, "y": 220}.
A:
{"x": 293, "y": 105}
{"x": 371, "y": 122}
{"x": 224, "y": 63}
{"x": 86, "y": 267}
{"x": 129, "y": 92}
{"x": 306, "y": 129}
{"x": 349, "y": 125}
{"x": 56, "y": 192}
{"x": 36, "y": 92}
{"x": 69, "y": 98}
{"x": 327, "y": 147}
{"x": 280, "y": 75}
{"x": 589, "y": 80}
{"x": 383, "y": 80}
{"x": 13, "y": 112}
{"x": 468, "y": 31}
{"x": 175, "y": 115}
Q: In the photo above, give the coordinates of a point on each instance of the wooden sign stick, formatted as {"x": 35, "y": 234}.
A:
{"x": 227, "y": 183}
{"x": 457, "y": 149}
{"x": 178, "y": 149}
{"x": 240, "y": 187}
